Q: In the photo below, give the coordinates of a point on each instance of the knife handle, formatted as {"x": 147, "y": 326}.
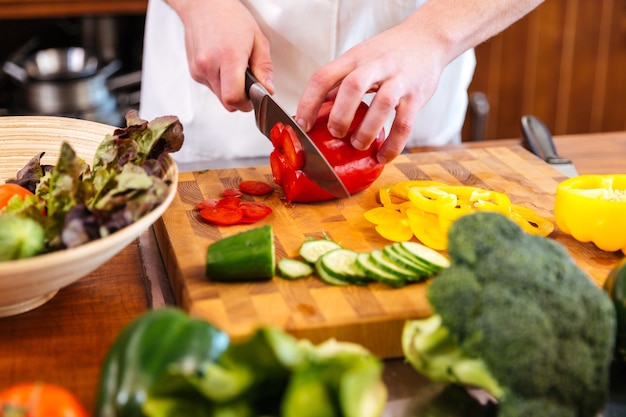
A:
{"x": 251, "y": 80}
{"x": 538, "y": 139}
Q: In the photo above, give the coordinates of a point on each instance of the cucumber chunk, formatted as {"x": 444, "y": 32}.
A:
{"x": 419, "y": 268}
{"x": 364, "y": 261}
{"x": 378, "y": 258}
{"x": 246, "y": 256}
{"x": 341, "y": 264}
{"x": 312, "y": 249}
{"x": 326, "y": 277}
{"x": 294, "y": 269}
{"x": 433, "y": 259}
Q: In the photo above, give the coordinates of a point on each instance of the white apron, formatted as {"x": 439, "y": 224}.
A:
{"x": 303, "y": 35}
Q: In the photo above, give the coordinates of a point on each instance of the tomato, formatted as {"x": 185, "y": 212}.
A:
{"x": 7, "y": 191}
{"x": 255, "y": 187}
{"x": 32, "y": 399}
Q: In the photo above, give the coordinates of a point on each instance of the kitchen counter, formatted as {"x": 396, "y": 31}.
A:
{"x": 65, "y": 340}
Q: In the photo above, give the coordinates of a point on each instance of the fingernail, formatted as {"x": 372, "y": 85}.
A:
{"x": 302, "y": 124}
{"x": 381, "y": 159}
{"x": 334, "y": 132}
{"x": 269, "y": 84}
{"x": 358, "y": 144}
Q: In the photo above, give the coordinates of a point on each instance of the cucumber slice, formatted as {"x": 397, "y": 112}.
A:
{"x": 312, "y": 249}
{"x": 341, "y": 264}
{"x": 433, "y": 259}
{"x": 294, "y": 269}
{"x": 378, "y": 258}
{"x": 246, "y": 256}
{"x": 364, "y": 261}
{"x": 420, "y": 269}
{"x": 326, "y": 277}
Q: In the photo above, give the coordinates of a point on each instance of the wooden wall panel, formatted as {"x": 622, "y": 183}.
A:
{"x": 565, "y": 62}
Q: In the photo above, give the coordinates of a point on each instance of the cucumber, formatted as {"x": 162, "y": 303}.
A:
{"x": 364, "y": 261}
{"x": 378, "y": 258}
{"x": 341, "y": 264}
{"x": 409, "y": 262}
{"x": 326, "y": 277}
{"x": 430, "y": 257}
{"x": 246, "y": 256}
{"x": 294, "y": 268}
{"x": 312, "y": 249}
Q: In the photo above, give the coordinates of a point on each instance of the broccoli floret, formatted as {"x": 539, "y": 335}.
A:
{"x": 514, "y": 315}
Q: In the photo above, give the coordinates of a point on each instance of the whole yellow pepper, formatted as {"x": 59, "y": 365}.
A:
{"x": 592, "y": 208}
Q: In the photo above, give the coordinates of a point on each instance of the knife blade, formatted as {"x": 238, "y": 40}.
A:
{"x": 268, "y": 112}
{"x": 538, "y": 139}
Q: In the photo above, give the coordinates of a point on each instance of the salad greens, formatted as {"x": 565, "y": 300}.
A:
{"x": 76, "y": 203}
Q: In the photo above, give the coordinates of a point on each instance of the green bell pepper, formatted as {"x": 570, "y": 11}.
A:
{"x": 145, "y": 350}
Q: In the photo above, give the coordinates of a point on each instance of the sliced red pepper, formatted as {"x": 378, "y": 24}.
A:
{"x": 254, "y": 211}
{"x": 209, "y": 203}
{"x": 232, "y": 192}
{"x": 357, "y": 169}
{"x": 232, "y": 202}
{"x": 223, "y": 216}
{"x": 255, "y": 187}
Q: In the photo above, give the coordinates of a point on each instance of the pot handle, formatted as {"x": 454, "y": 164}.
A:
{"x": 10, "y": 66}
{"x": 110, "y": 68}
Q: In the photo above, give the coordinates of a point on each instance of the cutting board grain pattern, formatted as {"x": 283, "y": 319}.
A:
{"x": 371, "y": 315}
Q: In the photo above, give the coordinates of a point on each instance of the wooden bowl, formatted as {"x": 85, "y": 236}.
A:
{"x": 28, "y": 283}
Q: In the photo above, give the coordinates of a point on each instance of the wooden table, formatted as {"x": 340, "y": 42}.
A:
{"x": 65, "y": 340}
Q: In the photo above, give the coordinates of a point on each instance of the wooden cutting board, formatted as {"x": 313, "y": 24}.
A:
{"x": 372, "y": 315}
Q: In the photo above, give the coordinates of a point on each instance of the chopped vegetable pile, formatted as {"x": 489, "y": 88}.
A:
{"x": 426, "y": 209}
{"x": 230, "y": 209}
{"x": 192, "y": 369}
{"x": 75, "y": 203}
{"x": 514, "y": 314}
{"x": 395, "y": 265}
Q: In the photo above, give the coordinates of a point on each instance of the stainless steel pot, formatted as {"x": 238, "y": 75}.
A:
{"x": 61, "y": 80}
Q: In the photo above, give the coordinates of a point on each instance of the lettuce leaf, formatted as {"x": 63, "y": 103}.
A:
{"x": 83, "y": 203}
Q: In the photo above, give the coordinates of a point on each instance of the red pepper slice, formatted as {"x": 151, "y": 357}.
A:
{"x": 232, "y": 192}
{"x": 357, "y": 169}
{"x": 232, "y": 202}
{"x": 223, "y": 216}
{"x": 255, "y": 187}
{"x": 209, "y": 203}
{"x": 254, "y": 211}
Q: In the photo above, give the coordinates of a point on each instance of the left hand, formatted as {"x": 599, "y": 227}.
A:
{"x": 403, "y": 69}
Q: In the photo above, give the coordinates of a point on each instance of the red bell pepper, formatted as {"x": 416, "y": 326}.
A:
{"x": 357, "y": 169}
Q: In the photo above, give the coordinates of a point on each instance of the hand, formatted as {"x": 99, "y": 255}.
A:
{"x": 222, "y": 39}
{"x": 400, "y": 66}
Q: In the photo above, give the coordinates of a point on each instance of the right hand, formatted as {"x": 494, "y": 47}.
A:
{"x": 222, "y": 39}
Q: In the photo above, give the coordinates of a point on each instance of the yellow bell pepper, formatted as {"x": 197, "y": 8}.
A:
{"x": 427, "y": 209}
{"x": 592, "y": 208}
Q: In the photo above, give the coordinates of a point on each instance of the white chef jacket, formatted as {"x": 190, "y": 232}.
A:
{"x": 304, "y": 35}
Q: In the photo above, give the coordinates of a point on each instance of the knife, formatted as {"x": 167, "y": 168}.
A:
{"x": 268, "y": 112}
{"x": 538, "y": 139}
